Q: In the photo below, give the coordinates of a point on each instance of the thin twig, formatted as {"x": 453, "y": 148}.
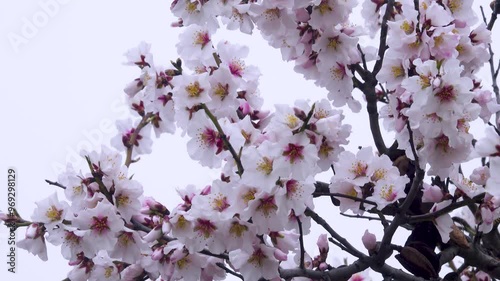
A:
{"x": 221, "y": 265}
{"x": 357, "y": 199}
{"x": 220, "y": 256}
{"x": 363, "y": 57}
{"x": 412, "y": 144}
{"x": 301, "y": 241}
{"x": 445, "y": 210}
{"x": 55, "y": 183}
{"x": 494, "y": 73}
{"x": 364, "y": 217}
{"x": 383, "y": 37}
{"x": 306, "y": 121}
{"x": 338, "y": 244}
{"x": 383, "y": 220}
{"x": 401, "y": 215}
{"x": 319, "y": 220}
{"x": 224, "y": 139}
{"x": 130, "y": 145}
{"x": 494, "y": 13}
{"x": 102, "y": 188}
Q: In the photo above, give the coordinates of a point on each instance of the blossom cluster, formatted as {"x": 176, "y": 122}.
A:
{"x": 250, "y": 215}
{"x": 250, "y": 220}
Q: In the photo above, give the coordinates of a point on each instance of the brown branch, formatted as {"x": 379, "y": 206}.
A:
{"x": 221, "y": 265}
{"x": 130, "y": 145}
{"x": 317, "y": 194}
{"x": 473, "y": 256}
{"x": 319, "y": 220}
{"x": 220, "y": 256}
{"x": 301, "y": 242}
{"x": 494, "y": 73}
{"x": 496, "y": 10}
{"x": 224, "y": 139}
{"x": 102, "y": 188}
{"x": 384, "y": 220}
{"x": 383, "y": 38}
{"x": 401, "y": 215}
{"x": 446, "y": 210}
{"x": 306, "y": 121}
{"x": 55, "y": 183}
{"x": 342, "y": 273}
{"x": 363, "y": 57}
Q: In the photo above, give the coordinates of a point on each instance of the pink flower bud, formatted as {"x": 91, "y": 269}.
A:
{"x": 279, "y": 255}
{"x": 322, "y": 243}
{"x": 157, "y": 254}
{"x": 245, "y": 108}
{"x": 482, "y": 276}
{"x": 369, "y": 240}
{"x": 32, "y": 231}
{"x": 177, "y": 255}
{"x": 432, "y": 193}
{"x": 323, "y": 266}
{"x": 206, "y": 190}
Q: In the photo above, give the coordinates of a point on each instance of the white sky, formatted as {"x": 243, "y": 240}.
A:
{"x": 65, "y": 82}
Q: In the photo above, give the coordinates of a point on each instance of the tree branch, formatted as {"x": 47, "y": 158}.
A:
{"x": 301, "y": 241}
{"x": 445, "y": 210}
{"x": 401, "y": 215}
{"x": 383, "y": 38}
{"x": 494, "y": 13}
{"x": 473, "y": 256}
{"x": 494, "y": 73}
{"x": 319, "y": 220}
{"x": 224, "y": 139}
{"x": 133, "y": 137}
{"x": 221, "y": 265}
{"x": 55, "y": 183}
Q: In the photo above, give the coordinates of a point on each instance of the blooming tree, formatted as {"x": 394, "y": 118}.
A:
{"x": 251, "y": 221}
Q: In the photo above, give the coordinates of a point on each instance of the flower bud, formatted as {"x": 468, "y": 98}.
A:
{"x": 131, "y": 272}
{"x": 279, "y": 255}
{"x": 432, "y": 193}
{"x": 322, "y": 243}
{"x": 32, "y": 231}
{"x": 369, "y": 240}
{"x": 157, "y": 254}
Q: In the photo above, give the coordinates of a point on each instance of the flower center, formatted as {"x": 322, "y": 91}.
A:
{"x": 204, "y": 228}
{"x": 53, "y": 213}
{"x": 219, "y": 203}
{"x": 258, "y": 258}
{"x": 294, "y": 152}
{"x": 267, "y": 205}
{"x": 100, "y": 224}
{"x": 265, "y": 166}
{"x": 194, "y": 90}
{"x": 237, "y": 229}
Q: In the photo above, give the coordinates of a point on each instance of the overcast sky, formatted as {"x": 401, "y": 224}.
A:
{"x": 62, "y": 83}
